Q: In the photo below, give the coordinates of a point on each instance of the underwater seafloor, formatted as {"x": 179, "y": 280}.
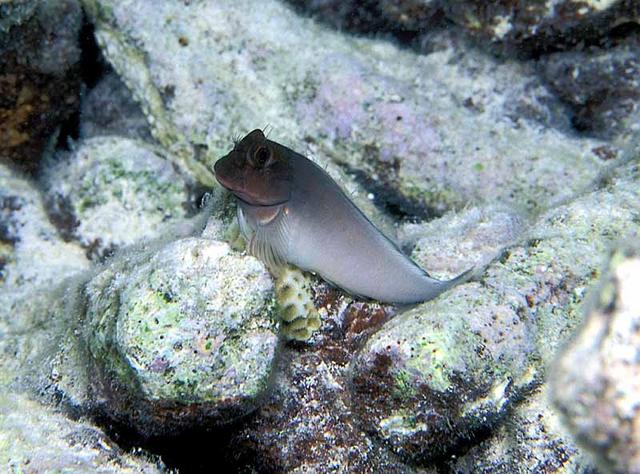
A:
{"x": 136, "y": 337}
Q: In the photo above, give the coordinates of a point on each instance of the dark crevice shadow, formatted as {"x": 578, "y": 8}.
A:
{"x": 193, "y": 451}
{"x": 92, "y": 68}
{"x": 392, "y": 202}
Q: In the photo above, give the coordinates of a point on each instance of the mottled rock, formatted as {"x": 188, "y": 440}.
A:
{"x": 109, "y": 109}
{"x": 519, "y": 27}
{"x": 601, "y": 86}
{"x": 440, "y": 373}
{"x": 563, "y": 252}
{"x": 307, "y": 423}
{"x": 425, "y": 142}
{"x": 530, "y": 441}
{"x": 436, "y": 375}
{"x": 44, "y": 333}
{"x": 32, "y": 254}
{"x": 47, "y": 42}
{"x": 596, "y": 383}
{"x": 424, "y": 133}
{"x": 34, "y": 263}
{"x": 374, "y": 16}
{"x": 533, "y": 26}
{"x": 15, "y": 13}
{"x": 110, "y": 192}
{"x": 35, "y": 354}
{"x": 39, "y": 75}
{"x": 177, "y": 338}
{"x": 473, "y": 237}
{"x": 34, "y": 438}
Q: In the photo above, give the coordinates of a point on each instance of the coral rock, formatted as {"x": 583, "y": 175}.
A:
{"x": 177, "y": 339}
{"x": 39, "y": 75}
{"x": 596, "y": 383}
{"x": 110, "y": 192}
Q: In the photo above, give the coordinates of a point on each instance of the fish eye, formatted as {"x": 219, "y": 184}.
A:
{"x": 261, "y": 156}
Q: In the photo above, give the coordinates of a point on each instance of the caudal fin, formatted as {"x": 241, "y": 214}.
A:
{"x": 462, "y": 278}
{"x": 433, "y": 287}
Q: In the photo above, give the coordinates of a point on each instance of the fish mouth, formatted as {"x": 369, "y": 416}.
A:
{"x": 238, "y": 191}
{"x": 224, "y": 175}
{"x": 231, "y": 177}
{"x": 226, "y": 183}
{"x": 253, "y": 201}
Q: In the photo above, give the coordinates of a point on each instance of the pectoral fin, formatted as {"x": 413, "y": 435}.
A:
{"x": 270, "y": 242}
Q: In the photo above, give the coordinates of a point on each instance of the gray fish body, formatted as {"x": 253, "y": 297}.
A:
{"x": 319, "y": 229}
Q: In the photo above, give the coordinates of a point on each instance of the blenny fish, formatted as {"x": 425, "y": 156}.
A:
{"x": 291, "y": 211}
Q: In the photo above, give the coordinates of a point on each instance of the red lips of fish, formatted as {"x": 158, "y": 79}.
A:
{"x": 227, "y": 174}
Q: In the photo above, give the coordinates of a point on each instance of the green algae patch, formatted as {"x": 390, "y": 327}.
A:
{"x": 435, "y": 355}
{"x": 404, "y": 387}
{"x": 430, "y": 196}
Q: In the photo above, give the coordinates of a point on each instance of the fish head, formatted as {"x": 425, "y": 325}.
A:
{"x": 255, "y": 172}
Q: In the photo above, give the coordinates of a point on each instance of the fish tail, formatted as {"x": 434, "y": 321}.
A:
{"x": 462, "y": 278}
{"x": 433, "y": 287}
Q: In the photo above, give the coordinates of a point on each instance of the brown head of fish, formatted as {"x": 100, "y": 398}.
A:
{"x": 254, "y": 172}
{"x": 291, "y": 211}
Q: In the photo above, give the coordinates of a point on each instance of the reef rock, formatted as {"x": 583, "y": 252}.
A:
{"x": 39, "y": 75}
{"x": 374, "y": 16}
{"x": 424, "y": 142}
{"x": 474, "y": 237}
{"x": 518, "y": 27}
{"x": 601, "y": 86}
{"x": 532, "y": 26}
{"x": 426, "y": 382}
{"x": 110, "y": 192}
{"x": 441, "y": 372}
{"x": 172, "y": 342}
{"x": 34, "y": 438}
{"x": 35, "y": 353}
{"x": 176, "y": 338}
{"x": 531, "y": 440}
{"x": 596, "y": 383}
{"x": 109, "y": 109}
{"x": 32, "y": 254}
